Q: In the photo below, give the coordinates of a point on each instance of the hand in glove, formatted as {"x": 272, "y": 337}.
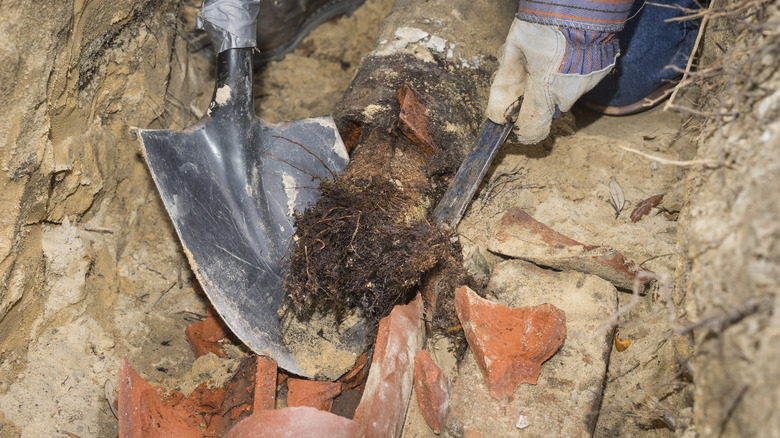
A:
{"x": 552, "y": 57}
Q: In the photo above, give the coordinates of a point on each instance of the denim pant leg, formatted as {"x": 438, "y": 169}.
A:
{"x": 648, "y": 45}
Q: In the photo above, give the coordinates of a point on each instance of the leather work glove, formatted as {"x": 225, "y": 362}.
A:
{"x": 553, "y": 54}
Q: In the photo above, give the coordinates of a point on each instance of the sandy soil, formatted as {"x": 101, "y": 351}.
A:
{"x": 139, "y": 309}
{"x": 69, "y": 375}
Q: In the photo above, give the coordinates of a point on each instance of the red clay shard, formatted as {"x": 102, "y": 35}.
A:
{"x": 433, "y": 390}
{"x": 412, "y": 120}
{"x": 509, "y": 345}
{"x": 389, "y": 385}
{"x": 300, "y": 421}
{"x": 148, "y": 411}
{"x": 311, "y": 393}
{"x": 206, "y": 336}
{"x": 265, "y": 384}
{"x": 356, "y": 377}
{"x": 521, "y": 236}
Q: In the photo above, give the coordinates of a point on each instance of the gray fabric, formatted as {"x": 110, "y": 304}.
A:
{"x": 230, "y": 23}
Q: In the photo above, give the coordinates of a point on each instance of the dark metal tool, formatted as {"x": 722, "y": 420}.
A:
{"x": 472, "y": 170}
{"x": 231, "y": 184}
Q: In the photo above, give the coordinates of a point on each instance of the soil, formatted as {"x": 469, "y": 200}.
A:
{"x": 111, "y": 281}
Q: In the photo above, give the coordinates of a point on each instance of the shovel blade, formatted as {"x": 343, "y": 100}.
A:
{"x": 231, "y": 188}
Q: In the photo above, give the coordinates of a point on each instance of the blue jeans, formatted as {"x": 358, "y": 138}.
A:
{"x": 647, "y": 46}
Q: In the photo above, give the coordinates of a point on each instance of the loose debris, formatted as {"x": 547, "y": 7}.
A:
{"x": 617, "y": 199}
{"x": 318, "y": 395}
{"x": 433, "y": 390}
{"x": 266, "y": 382}
{"x": 621, "y": 345}
{"x": 645, "y": 206}
{"x": 145, "y": 410}
{"x": 567, "y": 397}
{"x": 207, "y": 336}
{"x": 413, "y": 122}
{"x": 299, "y": 422}
{"x": 389, "y": 386}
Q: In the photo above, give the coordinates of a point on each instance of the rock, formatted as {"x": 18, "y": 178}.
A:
{"x": 311, "y": 393}
{"x": 566, "y": 399}
{"x": 265, "y": 384}
{"x": 521, "y": 236}
{"x": 389, "y": 385}
{"x": 509, "y": 344}
{"x": 296, "y": 422}
{"x": 433, "y": 390}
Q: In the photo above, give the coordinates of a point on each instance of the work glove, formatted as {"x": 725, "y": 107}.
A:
{"x": 551, "y": 57}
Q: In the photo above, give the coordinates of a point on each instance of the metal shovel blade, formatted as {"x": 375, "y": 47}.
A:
{"x": 231, "y": 184}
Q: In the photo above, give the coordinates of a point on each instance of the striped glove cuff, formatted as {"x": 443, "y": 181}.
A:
{"x": 594, "y": 15}
{"x": 587, "y": 51}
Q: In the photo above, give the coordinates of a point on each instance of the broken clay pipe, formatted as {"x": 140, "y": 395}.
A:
{"x": 521, "y": 236}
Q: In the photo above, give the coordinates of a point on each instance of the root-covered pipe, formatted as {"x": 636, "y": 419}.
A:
{"x": 409, "y": 116}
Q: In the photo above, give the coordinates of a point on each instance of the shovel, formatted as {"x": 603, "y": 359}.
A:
{"x": 232, "y": 182}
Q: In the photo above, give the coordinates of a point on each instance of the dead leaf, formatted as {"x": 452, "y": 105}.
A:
{"x": 645, "y": 206}
{"x": 621, "y": 344}
{"x": 617, "y": 199}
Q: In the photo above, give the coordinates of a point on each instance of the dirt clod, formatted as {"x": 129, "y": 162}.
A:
{"x": 355, "y": 251}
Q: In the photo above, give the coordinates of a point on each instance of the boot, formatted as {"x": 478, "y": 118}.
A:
{"x": 283, "y": 24}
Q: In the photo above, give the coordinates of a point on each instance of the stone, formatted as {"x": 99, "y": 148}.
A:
{"x": 433, "y": 390}
{"x": 509, "y": 344}
{"x": 567, "y": 397}
{"x": 312, "y": 393}
{"x": 521, "y": 236}
{"x": 300, "y": 421}
{"x": 388, "y": 390}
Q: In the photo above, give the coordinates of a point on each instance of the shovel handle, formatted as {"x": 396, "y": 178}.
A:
{"x": 233, "y": 92}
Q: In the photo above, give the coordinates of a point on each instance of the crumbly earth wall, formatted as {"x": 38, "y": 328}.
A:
{"x": 77, "y": 204}
{"x": 76, "y": 77}
{"x": 91, "y": 270}
{"x": 732, "y": 231}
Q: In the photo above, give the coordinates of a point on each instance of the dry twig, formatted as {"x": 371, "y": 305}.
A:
{"x": 681, "y": 163}
{"x": 690, "y": 58}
